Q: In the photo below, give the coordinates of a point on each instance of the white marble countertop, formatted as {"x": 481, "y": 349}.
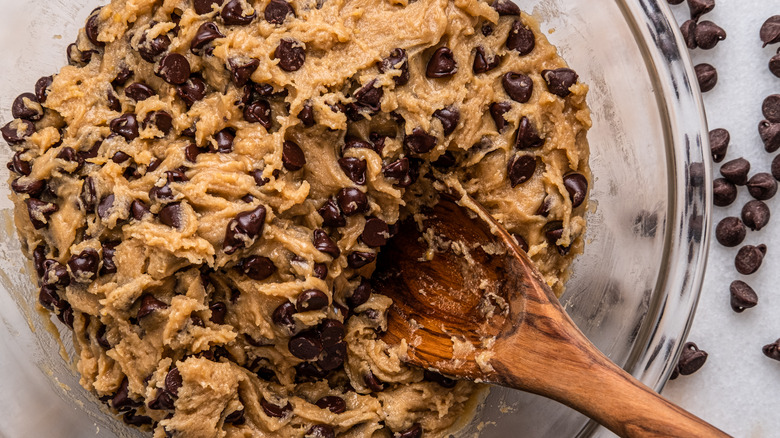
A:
{"x": 738, "y": 389}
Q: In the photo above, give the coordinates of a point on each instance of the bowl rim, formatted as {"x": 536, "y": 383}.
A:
{"x": 661, "y": 339}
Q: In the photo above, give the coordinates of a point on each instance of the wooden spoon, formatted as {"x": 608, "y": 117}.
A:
{"x": 479, "y": 290}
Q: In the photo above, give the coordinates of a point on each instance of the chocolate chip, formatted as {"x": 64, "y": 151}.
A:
{"x": 736, "y": 171}
{"x": 483, "y": 62}
{"x": 355, "y": 169}
{"x": 113, "y": 102}
{"x": 39, "y": 257}
{"x": 333, "y": 356}
{"x": 724, "y": 193}
{"x": 762, "y": 186}
{"x": 149, "y": 304}
{"x": 443, "y": 381}
{"x": 55, "y": 274}
{"x": 707, "y": 76}
{"x": 774, "y": 65}
{"x": 68, "y": 154}
{"x": 755, "y": 214}
{"x": 257, "y": 267}
{"x": 397, "y": 60}
{"x": 241, "y": 70}
{"x": 331, "y": 215}
{"x": 449, "y": 118}
{"x": 162, "y": 402}
{"x": 324, "y": 243}
{"x": 191, "y": 152}
{"x": 577, "y": 186}
{"x": 730, "y": 232}
{"x": 40, "y": 211}
{"x": 419, "y": 141}
{"x": 23, "y": 167}
{"x": 125, "y": 125}
{"x": 206, "y": 6}
{"x": 150, "y": 50}
{"x": 161, "y": 193}
{"x": 233, "y": 14}
{"x": 291, "y": 55}
{"x": 139, "y": 92}
{"x": 192, "y": 91}
{"x": 375, "y": 232}
{"x": 277, "y": 11}
{"x": 84, "y": 265}
{"x": 688, "y": 30}
{"x": 88, "y": 195}
{"x": 360, "y": 295}
{"x": 293, "y": 157}
{"x": 105, "y": 207}
{"x": 42, "y": 88}
{"x": 283, "y": 316}
{"x": 372, "y": 382}
{"x": 306, "y": 116}
{"x": 320, "y": 431}
{"x": 16, "y": 131}
{"x": 26, "y": 106}
{"x": 109, "y": 265}
{"x": 259, "y": 112}
{"x": 207, "y": 32}
{"x": 506, "y": 7}
{"x": 273, "y": 410}
{"x": 518, "y": 86}
{"x": 305, "y": 346}
{"x": 310, "y": 300}
{"x": 242, "y": 230}
{"x": 49, "y": 299}
{"x": 442, "y": 64}
{"x": 691, "y": 359}
{"x": 121, "y": 400}
{"x": 370, "y": 96}
{"x": 770, "y": 135}
{"x": 497, "y": 111}
{"x": 700, "y": 7}
{"x": 161, "y": 119}
{"x": 772, "y": 350}
{"x": 749, "y": 259}
{"x": 521, "y": 242}
{"x": 218, "y": 311}
{"x": 331, "y": 332}
{"x": 771, "y": 108}
{"x": 333, "y": 403}
{"x": 34, "y": 188}
{"x": 521, "y": 39}
{"x": 416, "y": 430}
{"x": 527, "y": 136}
{"x": 719, "y": 144}
{"x": 445, "y": 161}
{"x": 708, "y": 34}
{"x": 358, "y": 259}
{"x": 742, "y": 296}
{"x": 236, "y": 418}
{"x": 174, "y": 69}
{"x": 171, "y": 215}
{"x": 520, "y": 169}
{"x": 320, "y": 271}
{"x": 352, "y": 201}
{"x": 120, "y": 157}
{"x": 560, "y": 80}
{"x": 770, "y": 30}
{"x": 78, "y": 58}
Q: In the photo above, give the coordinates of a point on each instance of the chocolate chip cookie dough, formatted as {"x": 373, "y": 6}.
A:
{"x": 204, "y": 190}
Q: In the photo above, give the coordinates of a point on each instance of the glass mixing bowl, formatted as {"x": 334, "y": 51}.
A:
{"x": 633, "y": 292}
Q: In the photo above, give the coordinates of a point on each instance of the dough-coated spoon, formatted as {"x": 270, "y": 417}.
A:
{"x": 481, "y": 291}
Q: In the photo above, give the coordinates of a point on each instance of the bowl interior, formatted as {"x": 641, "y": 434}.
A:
{"x": 632, "y": 292}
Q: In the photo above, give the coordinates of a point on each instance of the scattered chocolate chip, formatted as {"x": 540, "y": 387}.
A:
{"x": 708, "y": 34}
{"x": 78, "y": 58}
{"x": 283, "y": 316}
{"x": 506, "y": 7}
{"x": 174, "y": 69}
{"x": 770, "y": 135}
{"x": 691, "y": 359}
{"x": 305, "y": 346}
{"x": 700, "y": 7}
{"x": 149, "y": 304}
{"x": 242, "y": 230}
{"x": 324, "y": 243}
{"x": 730, "y": 232}
{"x": 162, "y": 402}
{"x": 707, "y": 76}
{"x": 521, "y": 168}
{"x": 193, "y": 90}
{"x": 560, "y": 80}
{"x": 68, "y": 154}
{"x": 139, "y": 92}
{"x": 88, "y": 195}
{"x": 191, "y": 152}
{"x": 150, "y": 50}
{"x": 372, "y": 382}
{"x": 755, "y": 214}
{"x": 331, "y": 215}
{"x": 84, "y": 266}
{"x": 333, "y": 403}
{"x": 771, "y": 108}
{"x": 105, "y": 207}
{"x": 310, "y": 300}
{"x": 26, "y": 106}
{"x": 521, "y": 242}
{"x": 161, "y": 193}
{"x": 577, "y": 186}
{"x": 518, "y": 86}
{"x": 527, "y": 136}
{"x": 306, "y": 115}
{"x": 125, "y": 125}
{"x": 109, "y": 265}
{"x": 320, "y": 431}
{"x": 236, "y": 418}
{"x": 233, "y": 14}
{"x": 171, "y": 215}
{"x": 34, "y": 188}
{"x": 273, "y": 410}
{"x": 360, "y": 295}
{"x": 419, "y": 141}
{"x": 42, "y": 88}
{"x": 173, "y": 381}
{"x": 449, "y": 117}
{"x": 55, "y": 274}
{"x": 762, "y": 186}
{"x": 277, "y": 11}
{"x": 724, "y": 192}
{"x": 483, "y": 62}
{"x": 218, "y": 311}
{"x": 370, "y": 96}
{"x": 293, "y": 157}
{"x": 257, "y": 267}
{"x": 207, "y": 32}
{"x": 375, "y": 232}
{"x": 352, "y": 201}
{"x": 320, "y": 271}
{"x": 774, "y": 65}
{"x": 397, "y": 60}
{"x": 688, "y": 30}
{"x": 206, "y": 6}
{"x": 749, "y": 259}
{"x": 520, "y": 39}
{"x": 120, "y": 157}
{"x": 23, "y": 167}
{"x": 736, "y": 171}
{"x": 416, "y": 430}
{"x": 742, "y": 296}
{"x": 40, "y": 211}
{"x": 358, "y": 259}
{"x": 442, "y": 64}
{"x": 355, "y": 169}
{"x": 16, "y": 131}
{"x": 259, "y": 112}
{"x": 719, "y": 143}
{"x": 241, "y": 70}
{"x": 161, "y": 119}
{"x": 770, "y": 30}
{"x": 291, "y": 55}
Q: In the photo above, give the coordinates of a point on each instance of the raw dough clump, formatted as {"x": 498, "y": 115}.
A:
{"x": 204, "y": 190}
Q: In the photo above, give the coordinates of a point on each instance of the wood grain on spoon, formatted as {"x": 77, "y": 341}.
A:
{"x": 471, "y": 304}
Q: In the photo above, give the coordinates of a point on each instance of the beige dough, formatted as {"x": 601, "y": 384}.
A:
{"x": 150, "y": 283}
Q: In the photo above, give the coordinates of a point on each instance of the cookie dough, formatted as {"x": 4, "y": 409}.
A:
{"x": 204, "y": 190}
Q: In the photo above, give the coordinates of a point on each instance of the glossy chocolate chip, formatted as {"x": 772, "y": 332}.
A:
{"x": 730, "y": 232}
{"x": 320, "y": 271}
{"x": 242, "y": 230}
{"x": 258, "y": 112}
{"x": 449, "y": 118}
{"x": 483, "y": 62}
{"x": 442, "y": 64}
{"x": 521, "y": 242}
{"x": 206, "y": 6}
{"x": 113, "y": 102}
{"x": 360, "y": 295}
{"x": 372, "y": 382}
{"x": 17, "y": 131}
{"x": 375, "y": 232}
{"x": 293, "y": 157}
{"x": 706, "y": 76}
{"x": 506, "y": 7}
{"x": 277, "y": 11}
{"x": 42, "y": 88}
{"x": 352, "y": 201}
{"x": 257, "y": 267}
{"x": 520, "y": 169}
{"x": 320, "y": 431}
{"x": 333, "y": 403}
{"x": 520, "y": 39}
{"x": 241, "y": 70}
{"x": 84, "y": 265}
{"x": 105, "y": 207}
{"x": 370, "y": 96}
{"x": 770, "y": 135}
{"x": 78, "y": 58}
{"x": 55, "y": 274}
{"x": 700, "y": 7}
{"x": 742, "y": 296}
{"x": 772, "y": 350}
{"x": 305, "y": 346}
{"x": 49, "y": 299}
{"x": 397, "y": 60}
{"x": 419, "y": 141}
{"x": 172, "y": 215}
{"x": 191, "y": 152}
{"x": 497, "y": 111}
{"x": 109, "y": 265}
{"x": 218, "y": 311}
{"x": 331, "y": 332}
{"x": 577, "y": 186}
{"x": 26, "y": 186}
{"x": 149, "y": 304}
{"x": 415, "y": 431}
{"x": 160, "y": 119}
{"x": 174, "y": 69}
{"x": 560, "y": 80}
{"x": 163, "y": 401}
{"x": 22, "y": 167}
{"x": 527, "y": 136}
{"x": 193, "y": 90}
{"x": 150, "y": 50}
{"x": 236, "y": 418}
{"x": 724, "y": 193}
{"x": 708, "y": 34}
{"x": 323, "y": 242}
{"x": 139, "y": 92}
{"x": 125, "y": 125}
{"x": 755, "y": 214}
{"x": 306, "y": 115}
{"x": 26, "y": 106}
{"x": 331, "y": 215}
{"x": 310, "y": 300}
{"x": 691, "y": 359}
{"x": 273, "y": 410}
{"x": 688, "y": 30}
{"x": 762, "y": 186}
{"x": 749, "y": 259}
{"x": 771, "y": 108}
{"x": 88, "y": 195}
{"x": 719, "y": 143}
{"x": 736, "y": 171}
{"x": 774, "y": 65}
{"x": 354, "y": 168}
{"x": 358, "y": 259}
{"x": 518, "y": 86}
{"x": 233, "y": 14}
{"x": 291, "y": 55}
{"x": 283, "y": 316}
{"x": 333, "y": 356}
{"x": 121, "y": 401}
{"x": 40, "y": 212}
{"x": 161, "y": 193}
{"x": 69, "y": 155}
{"x": 207, "y": 32}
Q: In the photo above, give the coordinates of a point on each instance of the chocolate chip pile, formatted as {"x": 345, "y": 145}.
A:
{"x": 755, "y": 215}
{"x": 204, "y": 190}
